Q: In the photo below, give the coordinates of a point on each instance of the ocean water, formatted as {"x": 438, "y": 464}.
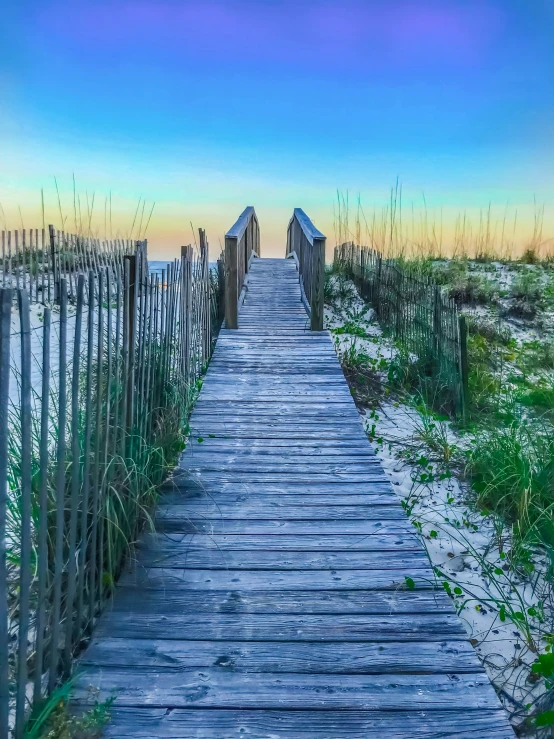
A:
{"x": 156, "y": 266}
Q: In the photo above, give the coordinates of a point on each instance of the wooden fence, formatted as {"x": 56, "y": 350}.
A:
{"x": 242, "y": 244}
{"x": 420, "y": 316}
{"x": 307, "y": 246}
{"x": 94, "y": 398}
{"x": 36, "y": 260}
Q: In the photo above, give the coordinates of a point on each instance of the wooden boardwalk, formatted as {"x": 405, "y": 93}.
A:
{"x": 271, "y": 601}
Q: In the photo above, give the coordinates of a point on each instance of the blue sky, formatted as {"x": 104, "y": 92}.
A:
{"x": 205, "y": 107}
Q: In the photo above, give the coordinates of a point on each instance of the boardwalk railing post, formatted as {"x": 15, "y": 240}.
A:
{"x": 241, "y": 243}
{"x": 318, "y": 283}
{"x": 231, "y": 282}
{"x": 307, "y": 246}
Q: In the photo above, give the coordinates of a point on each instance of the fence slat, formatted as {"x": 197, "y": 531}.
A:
{"x": 96, "y": 532}
{"x": 60, "y": 493}
{"x": 42, "y": 547}
{"x": 25, "y": 511}
{"x": 6, "y": 297}
{"x": 75, "y": 479}
{"x": 85, "y": 513}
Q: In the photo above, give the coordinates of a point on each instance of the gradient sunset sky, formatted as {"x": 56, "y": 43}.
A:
{"x": 206, "y": 107}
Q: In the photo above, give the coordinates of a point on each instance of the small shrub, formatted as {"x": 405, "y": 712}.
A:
{"x": 527, "y": 295}
{"x": 512, "y": 471}
{"x": 540, "y": 398}
{"x": 351, "y": 328}
{"x": 530, "y": 256}
{"x": 338, "y": 290}
{"x": 483, "y": 381}
{"x": 536, "y": 355}
{"x": 473, "y": 289}
{"x": 490, "y": 330}
{"x": 53, "y": 720}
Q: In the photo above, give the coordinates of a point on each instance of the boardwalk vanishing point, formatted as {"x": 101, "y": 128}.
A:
{"x": 271, "y": 600}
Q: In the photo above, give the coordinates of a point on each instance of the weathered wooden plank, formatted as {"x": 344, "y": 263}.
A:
{"x": 340, "y": 602}
{"x": 157, "y": 578}
{"x": 286, "y": 450}
{"x": 164, "y": 723}
{"x": 370, "y": 492}
{"x": 262, "y": 527}
{"x": 327, "y": 543}
{"x": 284, "y": 627}
{"x": 288, "y": 477}
{"x": 222, "y": 689}
{"x": 293, "y": 446}
{"x": 202, "y": 496}
{"x": 369, "y": 658}
{"x": 311, "y": 433}
{"x": 208, "y": 450}
{"x": 175, "y": 555}
{"x": 338, "y": 468}
{"x": 289, "y": 512}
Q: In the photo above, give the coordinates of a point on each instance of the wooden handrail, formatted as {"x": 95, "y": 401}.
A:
{"x": 306, "y": 244}
{"x": 242, "y": 243}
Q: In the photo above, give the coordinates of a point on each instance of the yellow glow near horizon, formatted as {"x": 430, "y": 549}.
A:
{"x": 507, "y": 230}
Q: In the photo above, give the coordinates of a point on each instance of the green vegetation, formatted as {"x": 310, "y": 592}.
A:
{"x": 511, "y": 468}
{"x": 53, "y": 720}
{"x": 508, "y": 452}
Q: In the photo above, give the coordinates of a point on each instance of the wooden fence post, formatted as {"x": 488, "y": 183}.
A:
{"x": 363, "y": 285}
{"x": 437, "y": 327}
{"x": 205, "y": 295}
{"x": 75, "y": 482}
{"x": 25, "y": 511}
{"x": 318, "y": 284}
{"x": 130, "y": 287}
{"x": 231, "y": 282}
{"x": 42, "y": 534}
{"x": 57, "y": 581}
{"x": 397, "y": 302}
{"x": 377, "y": 286}
{"x": 6, "y": 297}
{"x": 54, "y": 265}
{"x": 186, "y": 252}
{"x": 464, "y": 367}
{"x": 221, "y": 290}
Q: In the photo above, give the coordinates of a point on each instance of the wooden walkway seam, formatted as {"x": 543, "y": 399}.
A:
{"x": 270, "y": 601}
